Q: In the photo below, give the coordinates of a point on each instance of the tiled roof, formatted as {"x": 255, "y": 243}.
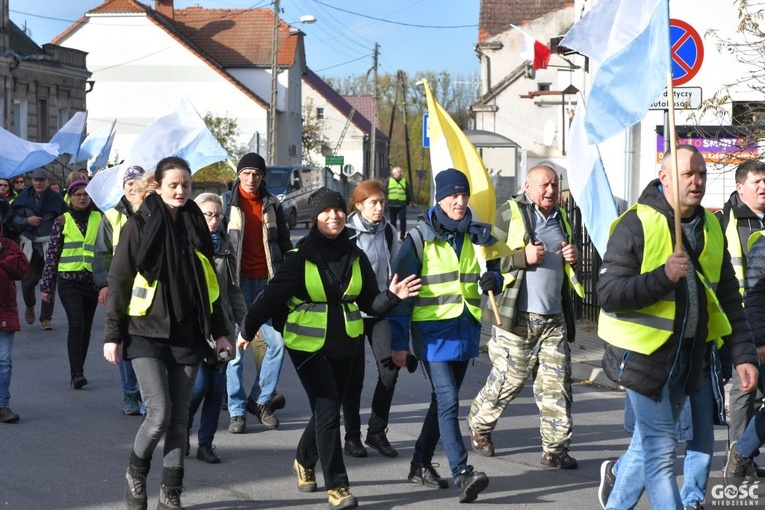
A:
{"x": 119, "y": 6}
{"x": 237, "y": 37}
{"x": 21, "y": 43}
{"x": 496, "y": 16}
{"x": 343, "y": 103}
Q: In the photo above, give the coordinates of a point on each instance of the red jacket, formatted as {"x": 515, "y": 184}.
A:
{"x": 13, "y": 266}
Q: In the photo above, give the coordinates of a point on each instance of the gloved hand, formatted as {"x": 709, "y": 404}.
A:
{"x": 489, "y": 282}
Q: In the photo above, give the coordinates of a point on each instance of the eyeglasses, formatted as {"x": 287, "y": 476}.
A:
{"x": 3, "y": 185}
{"x": 79, "y": 195}
{"x": 210, "y": 216}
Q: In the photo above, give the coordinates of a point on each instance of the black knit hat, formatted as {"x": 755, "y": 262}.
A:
{"x": 252, "y": 160}
{"x": 324, "y": 198}
{"x": 449, "y": 182}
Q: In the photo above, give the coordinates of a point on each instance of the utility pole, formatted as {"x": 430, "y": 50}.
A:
{"x": 406, "y": 127}
{"x": 274, "y": 84}
{"x": 373, "y": 152}
{"x": 392, "y": 116}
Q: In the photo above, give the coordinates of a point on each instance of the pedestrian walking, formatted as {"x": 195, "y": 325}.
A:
{"x": 163, "y": 308}
{"x": 326, "y": 282}
{"x": 69, "y": 267}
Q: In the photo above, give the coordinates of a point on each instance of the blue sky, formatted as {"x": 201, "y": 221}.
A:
{"x": 340, "y": 43}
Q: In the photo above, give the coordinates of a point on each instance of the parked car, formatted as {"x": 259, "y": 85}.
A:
{"x": 303, "y": 180}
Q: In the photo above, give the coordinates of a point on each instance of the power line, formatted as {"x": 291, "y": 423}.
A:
{"x": 393, "y": 22}
{"x": 344, "y": 63}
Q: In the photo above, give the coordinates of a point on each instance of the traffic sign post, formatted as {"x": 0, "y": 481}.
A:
{"x": 334, "y": 160}
{"x": 686, "y": 50}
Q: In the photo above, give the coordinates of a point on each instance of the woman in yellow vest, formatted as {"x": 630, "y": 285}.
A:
{"x": 69, "y": 266}
{"x": 326, "y": 282}
{"x": 162, "y": 307}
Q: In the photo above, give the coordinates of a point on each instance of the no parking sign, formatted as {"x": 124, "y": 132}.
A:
{"x": 687, "y": 51}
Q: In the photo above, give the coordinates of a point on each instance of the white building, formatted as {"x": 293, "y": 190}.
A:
{"x": 347, "y": 129}
{"x": 145, "y": 60}
{"x": 534, "y": 107}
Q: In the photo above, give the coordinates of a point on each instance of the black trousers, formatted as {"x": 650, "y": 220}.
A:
{"x": 398, "y": 216}
{"x": 29, "y": 283}
{"x": 79, "y": 302}
{"x": 324, "y": 381}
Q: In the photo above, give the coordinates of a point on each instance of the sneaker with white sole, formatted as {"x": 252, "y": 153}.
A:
{"x": 607, "y": 481}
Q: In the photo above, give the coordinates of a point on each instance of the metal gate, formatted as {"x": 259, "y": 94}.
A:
{"x": 589, "y": 264}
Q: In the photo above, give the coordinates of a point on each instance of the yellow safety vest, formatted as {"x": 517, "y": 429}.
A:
{"x": 79, "y": 250}
{"x": 306, "y": 326}
{"x": 448, "y": 284}
{"x": 516, "y": 240}
{"x": 647, "y": 329}
{"x": 397, "y": 190}
{"x": 117, "y": 220}
{"x": 142, "y": 295}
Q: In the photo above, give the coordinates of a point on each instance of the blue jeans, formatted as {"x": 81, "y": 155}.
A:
{"x": 442, "y": 418}
{"x": 653, "y": 450}
{"x": 6, "y": 366}
{"x": 698, "y": 452}
{"x": 127, "y": 377}
{"x": 209, "y": 386}
{"x": 264, "y": 387}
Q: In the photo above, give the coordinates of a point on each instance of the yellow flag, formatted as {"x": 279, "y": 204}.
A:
{"x": 450, "y": 148}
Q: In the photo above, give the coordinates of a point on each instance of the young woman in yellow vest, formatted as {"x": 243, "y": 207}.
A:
{"x": 69, "y": 266}
{"x": 327, "y": 282}
{"x": 162, "y": 308}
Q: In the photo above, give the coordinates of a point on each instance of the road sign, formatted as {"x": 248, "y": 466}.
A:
{"x": 687, "y": 51}
{"x": 425, "y": 137}
{"x": 686, "y": 98}
{"x": 334, "y": 160}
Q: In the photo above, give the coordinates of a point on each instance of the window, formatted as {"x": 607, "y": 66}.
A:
{"x": 748, "y": 113}
{"x": 62, "y": 116}
{"x": 42, "y": 120}
{"x": 20, "y": 121}
{"x": 319, "y": 113}
{"x": 544, "y": 87}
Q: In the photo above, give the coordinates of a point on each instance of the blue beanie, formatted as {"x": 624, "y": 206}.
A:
{"x": 449, "y": 182}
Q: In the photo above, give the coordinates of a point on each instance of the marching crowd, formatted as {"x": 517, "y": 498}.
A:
{"x": 190, "y": 285}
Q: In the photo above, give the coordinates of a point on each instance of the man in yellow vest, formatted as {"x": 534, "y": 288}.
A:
{"x": 662, "y": 314}
{"x": 106, "y": 242}
{"x": 444, "y": 321}
{"x": 537, "y": 320}
{"x": 399, "y": 196}
{"x": 743, "y": 215}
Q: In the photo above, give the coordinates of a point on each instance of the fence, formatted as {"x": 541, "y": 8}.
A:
{"x": 588, "y": 267}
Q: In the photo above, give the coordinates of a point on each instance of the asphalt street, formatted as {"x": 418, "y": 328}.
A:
{"x": 70, "y": 448}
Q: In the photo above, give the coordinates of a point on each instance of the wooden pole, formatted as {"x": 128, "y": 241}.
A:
{"x": 673, "y": 160}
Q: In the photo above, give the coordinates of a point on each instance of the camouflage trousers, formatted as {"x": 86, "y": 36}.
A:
{"x": 536, "y": 346}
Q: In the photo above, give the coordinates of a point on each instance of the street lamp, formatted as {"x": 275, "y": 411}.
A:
{"x": 307, "y": 19}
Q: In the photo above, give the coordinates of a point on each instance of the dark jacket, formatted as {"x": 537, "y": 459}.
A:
{"x": 755, "y": 294}
{"x": 13, "y": 267}
{"x": 156, "y": 323}
{"x": 289, "y": 281}
{"x": 622, "y": 287}
{"x": 277, "y": 238}
{"x": 50, "y": 207}
{"x": 748, "y": 221}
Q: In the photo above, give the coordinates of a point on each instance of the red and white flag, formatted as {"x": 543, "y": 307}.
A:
{"x": 533, "y": 50}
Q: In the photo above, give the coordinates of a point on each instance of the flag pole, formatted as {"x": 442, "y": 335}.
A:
{"x": 82, "y": 137}
{"x": 673, "y": 156}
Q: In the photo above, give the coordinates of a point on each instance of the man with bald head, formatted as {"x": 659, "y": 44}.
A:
{"x": 537, "y": 320}
{"x": 664, "y": 311}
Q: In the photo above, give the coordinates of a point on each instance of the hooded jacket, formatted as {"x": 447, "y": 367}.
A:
{"x": 622, "y": 287}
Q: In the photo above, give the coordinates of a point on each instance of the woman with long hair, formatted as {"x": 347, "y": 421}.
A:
{"x": 162, "y": 308}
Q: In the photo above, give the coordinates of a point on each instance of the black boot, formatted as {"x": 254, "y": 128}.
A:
{"x": 135, "y": 483}
{"x": 170, "y": 492}
{"x": 78, "y": 378}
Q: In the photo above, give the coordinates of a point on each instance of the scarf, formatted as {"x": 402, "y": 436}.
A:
{"x": 336, "y": 253}
{"x": 165, "y": 251}
{"x": 369, "y": 225}
{"x": 217, "y": 240}
{"x": 478, "y": 232}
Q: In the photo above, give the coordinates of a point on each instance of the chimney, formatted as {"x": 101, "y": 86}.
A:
{"x": 165, "y": 8}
